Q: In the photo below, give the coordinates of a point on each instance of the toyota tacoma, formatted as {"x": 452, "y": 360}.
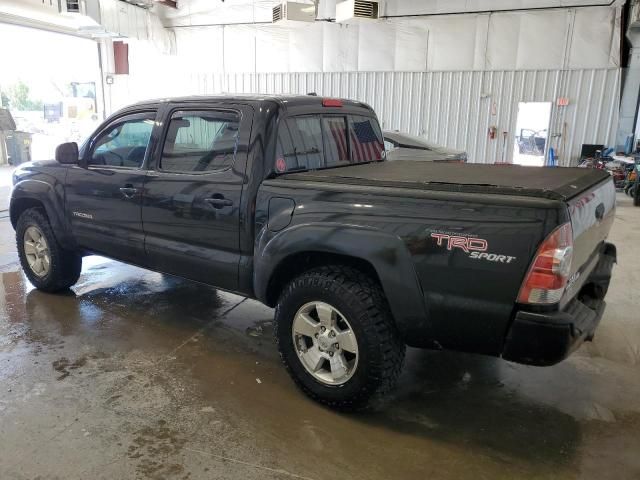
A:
{"x": 289, "y": 200}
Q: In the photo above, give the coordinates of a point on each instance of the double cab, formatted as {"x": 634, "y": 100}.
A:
{"x": 289, "y": 200}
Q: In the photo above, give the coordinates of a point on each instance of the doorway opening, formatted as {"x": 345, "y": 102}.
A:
{"x": 532, "y": 133}
{"x": 51, "y": 85}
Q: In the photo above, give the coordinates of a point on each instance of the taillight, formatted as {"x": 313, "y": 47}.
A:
{"x": 548, "y": 275}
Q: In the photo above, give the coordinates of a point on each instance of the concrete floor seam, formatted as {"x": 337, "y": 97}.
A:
{"x": 199, "y": 332}
{"x": 249, "y": 464}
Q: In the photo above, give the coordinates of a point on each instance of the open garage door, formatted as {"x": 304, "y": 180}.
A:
{"x": 50, "y": 82}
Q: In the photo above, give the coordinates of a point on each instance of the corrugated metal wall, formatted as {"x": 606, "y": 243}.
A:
{"x": 454, "y": 109}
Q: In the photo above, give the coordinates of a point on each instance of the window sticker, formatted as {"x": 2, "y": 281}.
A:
{"x": 281, "y": 165}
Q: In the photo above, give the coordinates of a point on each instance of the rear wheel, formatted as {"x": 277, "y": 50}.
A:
{"x": 337, "y": 338}
{"x": 48, "y": 266}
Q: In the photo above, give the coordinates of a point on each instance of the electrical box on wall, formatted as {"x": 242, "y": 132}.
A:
{"x": 350, "y": 11}
{"x": 294, "y": 12}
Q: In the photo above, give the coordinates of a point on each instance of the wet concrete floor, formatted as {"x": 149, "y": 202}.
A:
{"x": 133, "y": 374}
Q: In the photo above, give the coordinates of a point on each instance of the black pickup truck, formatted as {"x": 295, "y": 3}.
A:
{"x": 289, "y": 200}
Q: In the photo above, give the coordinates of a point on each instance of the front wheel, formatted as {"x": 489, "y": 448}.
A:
{"x": 337, "y": 338}
{"x": 48, "y": 266}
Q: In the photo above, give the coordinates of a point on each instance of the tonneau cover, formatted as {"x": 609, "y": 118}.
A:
{"x": 555, "y": 183}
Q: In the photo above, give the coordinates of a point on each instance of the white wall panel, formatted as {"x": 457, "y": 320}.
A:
{"x": 411, "y": 48}
{"x": 502, "y": 42}
{"x": 239, "y": 49}
{"x": 200, "y": 49}
{"x": 592, "y": 28}
{"x": 412, "y": 7}
{"x": 272, "y": 49}
{"x": 447, "y": 32}
{"x": 306, "y": 47}
{"x": 556, "y": 39}
{"x": 542, "y": 39}
{"x": 338, "y": 48}
{"x": 376, "y": 47}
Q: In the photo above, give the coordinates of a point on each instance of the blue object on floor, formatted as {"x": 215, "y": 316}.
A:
{"x": 551, "y": 161}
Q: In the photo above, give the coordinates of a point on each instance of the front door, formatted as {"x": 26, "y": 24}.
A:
{"x": 103, "y": 199}
{"x": 192, "y": 197}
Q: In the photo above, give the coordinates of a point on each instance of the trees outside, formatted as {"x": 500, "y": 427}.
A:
{"x": 17, "y": 97}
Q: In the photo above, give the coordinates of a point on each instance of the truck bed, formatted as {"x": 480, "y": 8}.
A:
{"x": 551, "y": 183}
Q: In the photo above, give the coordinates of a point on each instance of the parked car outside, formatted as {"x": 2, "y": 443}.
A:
{"x": 531, "y": 142}
{"x": 402, "y": 146}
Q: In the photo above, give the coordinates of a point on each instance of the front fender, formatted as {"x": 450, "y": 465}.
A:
{"x": 52, "y": 199}
{"x": 386, "y": 253}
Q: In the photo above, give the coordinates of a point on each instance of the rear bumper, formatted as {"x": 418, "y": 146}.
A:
{"x": 550, "y": 337}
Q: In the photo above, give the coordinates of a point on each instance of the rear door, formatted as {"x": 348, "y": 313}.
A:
{"x": 191, "y": 211}
{"x": 103, "y": 197}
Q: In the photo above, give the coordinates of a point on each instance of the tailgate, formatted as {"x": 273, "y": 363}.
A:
{"x": 592, "y": 213}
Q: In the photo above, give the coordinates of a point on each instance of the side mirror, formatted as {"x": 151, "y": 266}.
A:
{"x": 67, "y": 153}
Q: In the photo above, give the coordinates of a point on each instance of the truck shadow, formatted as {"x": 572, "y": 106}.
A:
{"x": 463, "y": 399}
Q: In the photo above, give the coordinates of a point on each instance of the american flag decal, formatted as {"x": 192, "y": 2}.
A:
{"x": 365, "y": 144}
{"x": 339, "y": 134}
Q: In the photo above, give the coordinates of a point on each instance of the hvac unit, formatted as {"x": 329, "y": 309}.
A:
{"x": 72, "y": 6}
{"x": 294, "y": 12}
{"x": 351, "y": 11}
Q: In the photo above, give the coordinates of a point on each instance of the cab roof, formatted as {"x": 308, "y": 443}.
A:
{"x": 284, "y": 101}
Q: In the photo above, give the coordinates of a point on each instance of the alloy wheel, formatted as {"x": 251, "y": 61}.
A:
{"x": 325, "y": 343}
{"x": 37, "y": 251}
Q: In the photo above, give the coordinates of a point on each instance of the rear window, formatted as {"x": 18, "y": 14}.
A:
{"x": 335, "y": 141}
{"x": 311, "y": 142}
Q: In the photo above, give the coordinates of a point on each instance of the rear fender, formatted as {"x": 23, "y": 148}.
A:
{"x": 386, "y": 253}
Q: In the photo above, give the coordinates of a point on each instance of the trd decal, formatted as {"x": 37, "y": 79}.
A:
{"x": 466, "y": 244}
{"x": 475, "y": 247}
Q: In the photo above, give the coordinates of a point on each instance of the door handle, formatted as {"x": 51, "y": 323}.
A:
{"x": 128, "y": 191}
{"x": 219, "y": 201}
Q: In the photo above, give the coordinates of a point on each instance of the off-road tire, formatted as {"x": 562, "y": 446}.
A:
{"x": 361, "y": 300}
{"x": 65, "y": 266}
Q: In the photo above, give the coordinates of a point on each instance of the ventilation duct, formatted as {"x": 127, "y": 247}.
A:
{"x": 293, "y": 12}
{"x": 73, "y": 6}
{"x": 277, "y": 13}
